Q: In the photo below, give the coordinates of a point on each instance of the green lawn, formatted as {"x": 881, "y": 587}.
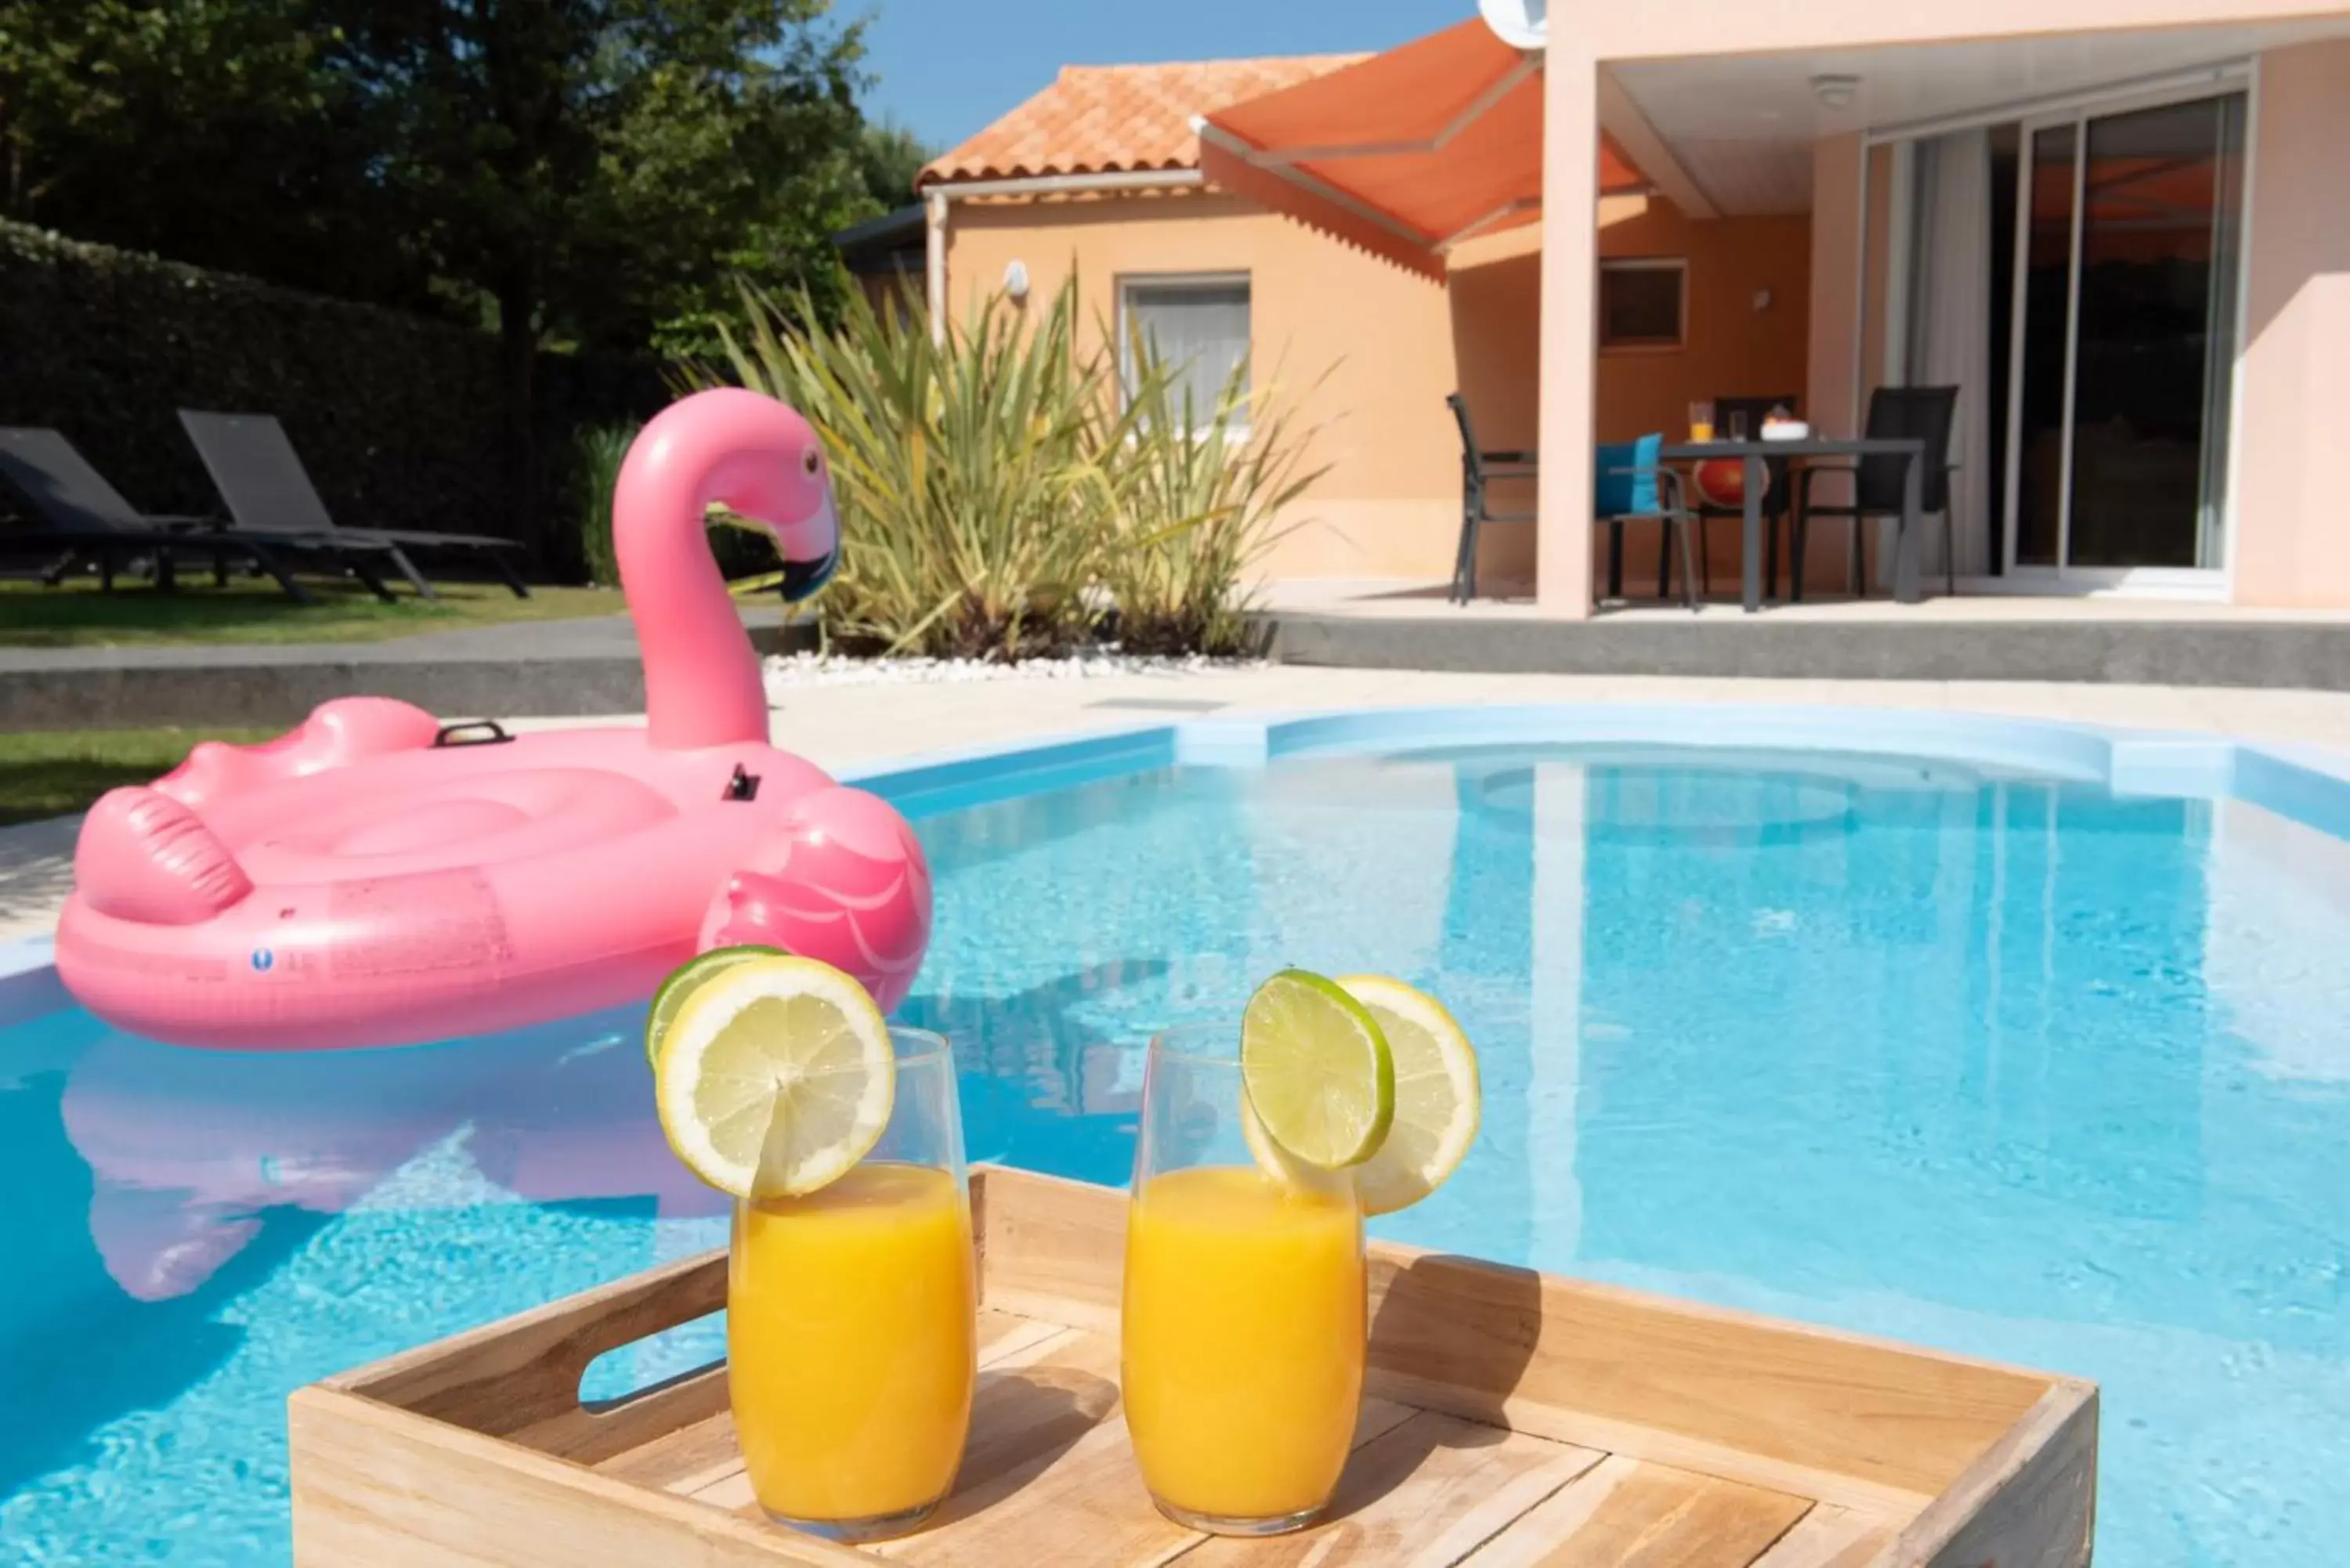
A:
{"x": 77, "y": 615}
{"x": 51, "y": 774}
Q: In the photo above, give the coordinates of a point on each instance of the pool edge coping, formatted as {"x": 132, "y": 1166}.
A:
{"x": 2306, "y": 782}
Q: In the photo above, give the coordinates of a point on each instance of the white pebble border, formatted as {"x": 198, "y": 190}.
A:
{"x": 785, "y": 672}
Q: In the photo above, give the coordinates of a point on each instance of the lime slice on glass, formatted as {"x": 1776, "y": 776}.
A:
{"x": 1285, "y": 1167}
{"x": 1437, "y": 1098}
{"x": 774, "y": 1077}
{"x": 687, "y": 978}
{"x": 1316, "y": 1067}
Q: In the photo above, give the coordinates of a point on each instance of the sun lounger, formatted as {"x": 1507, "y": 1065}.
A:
{"x": 81, "y": 517}
{"x": 260, "y": 476}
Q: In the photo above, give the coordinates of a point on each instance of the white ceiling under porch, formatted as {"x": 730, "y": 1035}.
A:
{"x": 1741, "y": 126}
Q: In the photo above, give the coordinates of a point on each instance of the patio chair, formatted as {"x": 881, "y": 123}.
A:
{"x": 1631, "y": 485}
{"x": 1923, "y": 413}
{"x": 1710, "y": 476}
{"x": 82, "y": 517}
{"x": 1479, "y": 469}
{"x": 259, "y": 474}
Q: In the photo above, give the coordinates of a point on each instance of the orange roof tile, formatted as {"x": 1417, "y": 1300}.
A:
{"x": 1097, "y": 119}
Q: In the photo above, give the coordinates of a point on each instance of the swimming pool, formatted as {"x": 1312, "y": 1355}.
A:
{"x": 2024, "y": 1041}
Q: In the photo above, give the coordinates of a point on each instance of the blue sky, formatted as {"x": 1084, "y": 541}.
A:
{"x": 949, "y": 66}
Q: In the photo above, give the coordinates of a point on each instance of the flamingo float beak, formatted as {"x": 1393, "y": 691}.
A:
{"x": 802, "y": 579}
{"x": 811, "y": 551}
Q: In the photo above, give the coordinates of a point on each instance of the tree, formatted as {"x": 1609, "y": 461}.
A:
{"x": 889, "y": 158}
{"x": 585, "y": 173}
{"x": 593, "y": 168}
{"x": 211, "y": 131}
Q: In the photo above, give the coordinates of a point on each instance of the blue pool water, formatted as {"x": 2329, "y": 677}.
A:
{"x": 1991, "y": 1062}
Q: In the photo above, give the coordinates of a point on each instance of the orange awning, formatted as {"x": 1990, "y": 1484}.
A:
{"x": 1406, "y": 153}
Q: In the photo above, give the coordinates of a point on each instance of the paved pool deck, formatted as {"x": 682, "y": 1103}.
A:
{"x": 859, "y": 725}
{"x": 587, "y": 667}
{"x": 1975, "y": 637}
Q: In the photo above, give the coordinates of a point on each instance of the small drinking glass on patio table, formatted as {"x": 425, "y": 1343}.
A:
{"x": 1737, "y": 424}
{"x": 852, "y": 1324}
{"x": 1245, "y": 1309}
{"x": 1701, "y": 421}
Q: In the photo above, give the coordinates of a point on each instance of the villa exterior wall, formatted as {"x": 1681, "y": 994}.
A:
{"x": 1367, "y": 351}
{"x": 2293, "y": 483}
{"x": 1363, "y": 351}
{"x": 1841, "y": 341}
{"x": 2290, "y": 542}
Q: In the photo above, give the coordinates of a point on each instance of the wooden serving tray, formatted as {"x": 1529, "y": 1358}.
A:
{"x": 1511, "y": 1420}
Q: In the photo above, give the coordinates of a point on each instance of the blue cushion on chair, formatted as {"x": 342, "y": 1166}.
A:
{"x": 1627, "y": 478}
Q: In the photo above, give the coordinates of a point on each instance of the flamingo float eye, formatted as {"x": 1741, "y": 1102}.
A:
{"x": 810, "y": 464}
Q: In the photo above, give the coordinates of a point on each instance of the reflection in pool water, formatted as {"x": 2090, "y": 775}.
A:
{"x": 2001, "y": 1064}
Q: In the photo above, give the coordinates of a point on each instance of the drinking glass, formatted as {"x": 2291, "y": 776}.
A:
{"x": 851, "y": 1321}
{"x": 1246, "y": 1311}
{"x": 1738, "y": 424}
{"x": 1702, "y": 421}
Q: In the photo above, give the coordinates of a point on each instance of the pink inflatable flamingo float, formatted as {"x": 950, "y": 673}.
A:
{"x": 373, "y": 879}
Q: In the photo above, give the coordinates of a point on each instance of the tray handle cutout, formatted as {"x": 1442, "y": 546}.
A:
{"x": 615, "y": 1378}
{"x": 520, "y": 1378}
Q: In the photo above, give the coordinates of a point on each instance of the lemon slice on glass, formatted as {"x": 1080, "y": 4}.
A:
{"x": 687, "y": 978}
{"x": 1438, "y": 1100}
{"x": 774, "y": 1077}
{"x": 1316, "y": 1068}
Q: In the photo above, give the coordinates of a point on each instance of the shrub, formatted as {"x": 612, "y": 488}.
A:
{"x": 960, "y": 470}
{"x": 1000, "y": 498}
{"x": 596, "y": 455}
{"x": 1195, "y": 502}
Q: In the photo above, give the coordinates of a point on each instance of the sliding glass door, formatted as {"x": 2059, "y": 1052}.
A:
{"x": 2127, "y": 228}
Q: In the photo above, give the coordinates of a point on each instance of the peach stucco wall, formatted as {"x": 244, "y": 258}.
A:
{"x": 2291, "y": 545}
{"x": 2292, "y": 507}
{"x": 1367, "y": 351}
{"x": 1835, "y": 285}
{"x": 1731, "y": 348}
{"x": 2291, "y": 538}
{"x": 1848, "y": 343}
{"x": 1362, "y": 349}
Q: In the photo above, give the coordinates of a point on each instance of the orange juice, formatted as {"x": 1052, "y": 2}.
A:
{"x": 1243, "y": 1341}
{"x": 849, "y": 1342}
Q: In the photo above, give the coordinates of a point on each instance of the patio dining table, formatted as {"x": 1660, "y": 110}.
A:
{"x": 1755, "y": 454}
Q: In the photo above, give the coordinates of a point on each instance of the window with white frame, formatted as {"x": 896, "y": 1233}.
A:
{"x": 1197, "y": 327}
{"x": 1642, "y": 302}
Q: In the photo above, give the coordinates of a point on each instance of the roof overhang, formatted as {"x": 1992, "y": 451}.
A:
{"x": 1405, "y": 154}
{"x": 881, "y": 246}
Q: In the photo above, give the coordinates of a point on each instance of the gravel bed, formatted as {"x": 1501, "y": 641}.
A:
{"x": 785, "y": 672}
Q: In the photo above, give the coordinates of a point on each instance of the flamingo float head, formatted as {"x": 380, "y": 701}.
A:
{"x": 792, "y": 500}
{"x": 766, "y": 463}
{"x": 759, "y": 458}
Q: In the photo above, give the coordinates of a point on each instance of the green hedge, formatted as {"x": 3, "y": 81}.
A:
{"x": 397, "y": 417}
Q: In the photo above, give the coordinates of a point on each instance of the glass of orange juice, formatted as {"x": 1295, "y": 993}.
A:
{"x": 1245, "y": 1312}
{"x": 1701, "y": 421}
{"x": 850, "y": 1323}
